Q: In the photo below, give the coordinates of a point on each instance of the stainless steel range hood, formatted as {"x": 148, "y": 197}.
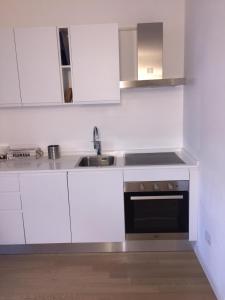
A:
{"x": 150, "y": 51}
{"x": 150, "y": 59}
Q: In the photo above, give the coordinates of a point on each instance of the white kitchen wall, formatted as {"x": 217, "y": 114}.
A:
{"x": 204, "y": 124}
{"x": 147, "y": 118}
{"x": 143, "y": 120}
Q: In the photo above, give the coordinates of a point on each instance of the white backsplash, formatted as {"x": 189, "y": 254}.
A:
{"x": 145, "y": 119}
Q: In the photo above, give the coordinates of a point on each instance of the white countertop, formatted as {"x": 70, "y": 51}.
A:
{"x": 69, "y": 163}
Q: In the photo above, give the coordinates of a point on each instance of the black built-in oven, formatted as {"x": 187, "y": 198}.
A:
{"x": 156, "y": 209}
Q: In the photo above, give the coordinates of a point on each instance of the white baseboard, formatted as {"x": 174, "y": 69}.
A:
{"x": 209, "y": 277}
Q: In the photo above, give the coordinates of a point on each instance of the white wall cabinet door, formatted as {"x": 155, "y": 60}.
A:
{"x": 38, "y": 61}
{"x": 95, "y": 63}
{"x": 9, "y": 80}
{"x": 45, "y": 208}
{"x": 97, "y": 209}
{"x": 11, "y": 227}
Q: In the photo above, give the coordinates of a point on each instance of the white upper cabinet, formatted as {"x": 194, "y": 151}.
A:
{"x": 9, "y": 81}
{"x": 95, "y": 63}
{"x": 38, "y": 62}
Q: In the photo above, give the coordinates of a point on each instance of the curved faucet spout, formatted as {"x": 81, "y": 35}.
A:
{"x": 97, "y": 141}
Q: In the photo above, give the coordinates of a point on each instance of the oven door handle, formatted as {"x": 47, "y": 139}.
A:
{"x": 169, "y": 197}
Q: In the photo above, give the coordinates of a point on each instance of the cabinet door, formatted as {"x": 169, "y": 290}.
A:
{"x": 45, "y": 208}
{"x": 97, "y": 209}
{"x": 95, "y": 63}
{"x": 9, "y": 183}
{"x": 38, "y": 61}
{"x": 11, "y": 227}
{"x": 9, "y": 80}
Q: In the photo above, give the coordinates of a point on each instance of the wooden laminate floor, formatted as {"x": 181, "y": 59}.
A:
{"x": 120, "y": 276}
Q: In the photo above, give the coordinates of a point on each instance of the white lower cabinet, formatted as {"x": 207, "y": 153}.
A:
{"x": 45, "y": 207}
{"x": 11, "y": 227}
{"x": 11, "y": 217}
{"x": 96, "y": 206}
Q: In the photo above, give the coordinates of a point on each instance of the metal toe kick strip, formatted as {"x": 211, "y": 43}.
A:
{"x": 127, "y": 246}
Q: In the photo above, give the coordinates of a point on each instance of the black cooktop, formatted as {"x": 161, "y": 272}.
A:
{"x": 162, "y": 158}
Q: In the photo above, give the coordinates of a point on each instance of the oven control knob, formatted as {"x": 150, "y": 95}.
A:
{"x": 170, "y": 186}
{"x": 142, "y": 187}
{"x": 155, "y": 187}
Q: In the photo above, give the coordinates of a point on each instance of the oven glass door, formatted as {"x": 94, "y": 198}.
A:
{"x": 152, "y": 212}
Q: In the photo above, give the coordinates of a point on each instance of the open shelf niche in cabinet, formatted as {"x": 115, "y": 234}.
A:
{"x": 65, "y": 62}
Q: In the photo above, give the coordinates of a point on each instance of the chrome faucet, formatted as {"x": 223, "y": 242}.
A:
{"x": 96, "y": 141}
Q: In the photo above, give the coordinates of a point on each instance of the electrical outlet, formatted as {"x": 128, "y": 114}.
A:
{"x": 208, "y": 238}
{"x": 150, "y": 70}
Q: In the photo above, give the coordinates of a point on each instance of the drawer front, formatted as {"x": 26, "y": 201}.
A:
{"x": 10, "y": 201}
{"x": 156, "y": 174}
{"x": 11, "y": 228}
{"x": 9, "y": 183}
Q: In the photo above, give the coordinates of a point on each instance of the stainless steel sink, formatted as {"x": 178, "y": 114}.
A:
{"x": 96, "y": 161}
